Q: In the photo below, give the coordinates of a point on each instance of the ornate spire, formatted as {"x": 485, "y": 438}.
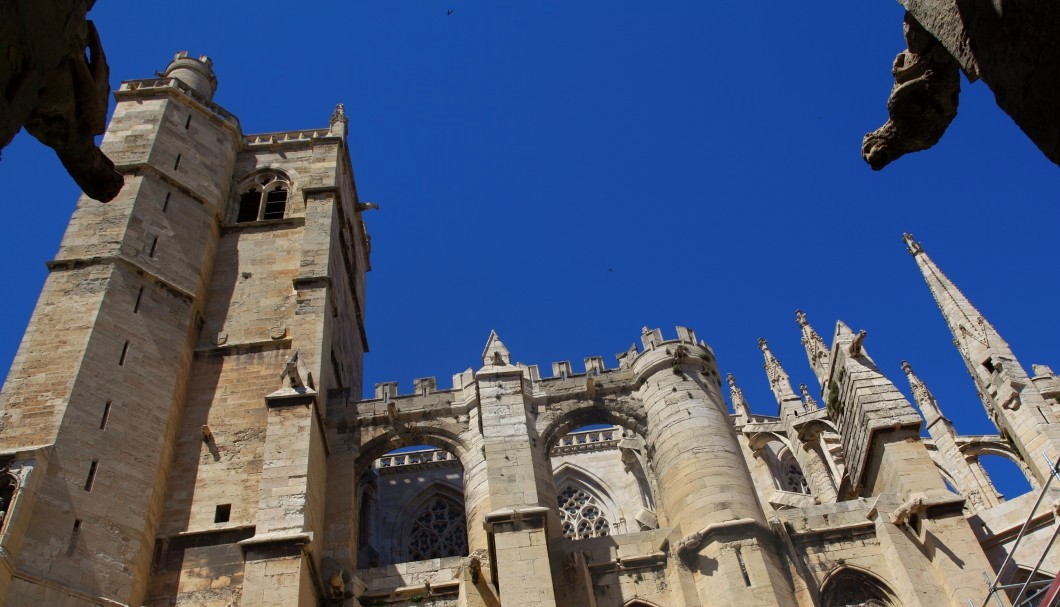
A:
{"x": 971, "y": 333}
{"x": 988, "y": 357}
{"x": 817, "y": 351}
{"x": 923, "y": 397}
{"x": 739, "y": 403}
{"x": 778, "y": 378}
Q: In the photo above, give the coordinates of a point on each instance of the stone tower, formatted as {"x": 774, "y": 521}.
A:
{"x": 226, "y": 262}
{"x": 184, "y": 425}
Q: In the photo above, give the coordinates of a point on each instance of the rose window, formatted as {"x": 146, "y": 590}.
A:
{"x": 439, "y": 531}
{"x": 581, "y": 514}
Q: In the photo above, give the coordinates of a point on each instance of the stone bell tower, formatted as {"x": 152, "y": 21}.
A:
{"x": 166, "y": 322}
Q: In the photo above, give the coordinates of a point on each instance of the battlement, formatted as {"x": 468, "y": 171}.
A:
{"x": 169, "y": 85}
{"x": 594, "y": 366}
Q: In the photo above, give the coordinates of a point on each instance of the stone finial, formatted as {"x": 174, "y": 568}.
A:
{"x": 739, "y": 403}
{"x": 495, "y": 354}
{"x": 339, "y": 121}
{"x": 809, "y": 402}
{"x": 912, "y": 245}
{"x": 817, "y": 352}
{"x": 1042, "y": 370}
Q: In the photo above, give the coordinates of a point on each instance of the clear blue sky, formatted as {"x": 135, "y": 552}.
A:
{"x": 566, "y": 173}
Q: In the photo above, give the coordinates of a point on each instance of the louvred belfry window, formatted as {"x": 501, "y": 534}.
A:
{"x": 439, "y": 531}
{"x": 581, "y": 514}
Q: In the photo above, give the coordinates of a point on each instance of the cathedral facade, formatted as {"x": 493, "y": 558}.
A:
{"x": 183, "y": 424}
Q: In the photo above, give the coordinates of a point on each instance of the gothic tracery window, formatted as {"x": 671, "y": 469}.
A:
{"x": 581, "y": 514}
{"x": 440, "y": 530}
{"x": 263, "y": 198}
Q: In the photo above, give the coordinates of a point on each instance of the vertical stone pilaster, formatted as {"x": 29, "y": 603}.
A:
{"x": 521, "y": 494}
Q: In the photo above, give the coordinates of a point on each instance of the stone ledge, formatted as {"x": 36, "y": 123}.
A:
{"x": 532, "y": 517}
{"x": 298, "y": 538}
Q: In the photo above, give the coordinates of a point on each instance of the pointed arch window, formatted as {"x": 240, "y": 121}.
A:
{"x": 581, "y": 514}
{"x": 263, "y": 198}
{"x": 438, "y": 531}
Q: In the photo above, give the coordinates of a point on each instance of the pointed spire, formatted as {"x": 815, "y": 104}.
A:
{"x": 995, "y": 368}
{"x": 971, "y": 333}
{"x": 495, "y": 354}
{"x": 923, "y": 397}
{"x": 817, "y": 351}
{"x": 739, "y": 403}
{"x": 778, "y": 378}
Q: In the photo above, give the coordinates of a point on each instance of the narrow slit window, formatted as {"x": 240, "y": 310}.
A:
{"x": 154, "y": 248}
{"x": 73, "y": 536}
{"x": 249, "y": 203}
{"x": 223, "y": 513}
{"x": 176, "y": 165}
{"x": 106, "y": 416}
{"x": 187, "y": 123}
{"x": 139, "y": 297}
{"x": 165, "y": 202}
{"x": 91, "y": 479}
{"x": 124, "y": 353}
{"x": 743, "y": 568}
{"x": 275, "y": 204}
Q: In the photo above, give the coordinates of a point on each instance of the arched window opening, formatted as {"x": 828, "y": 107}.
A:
{"x": 601, "y": 481}
{"x": 790, "y": 475}
{"x": 1006, "y": 475}
{"x": 849, "y": 587}
{"x": 581, "y": 514}
{"x": 412, "y": 507}
{"x": 439, "y": 531}
{"x": 264, "y": 198}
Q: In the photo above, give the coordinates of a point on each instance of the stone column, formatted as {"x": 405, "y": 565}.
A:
{"x": 705, "y": 485}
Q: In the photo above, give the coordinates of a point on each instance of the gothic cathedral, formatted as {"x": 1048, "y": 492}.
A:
{"x": 183, "y": 424}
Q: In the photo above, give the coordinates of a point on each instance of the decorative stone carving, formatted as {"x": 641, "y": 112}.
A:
{"x": 923, "y": 101}
{"x": 54, "y": 82}
{"x": 581, "y": 514}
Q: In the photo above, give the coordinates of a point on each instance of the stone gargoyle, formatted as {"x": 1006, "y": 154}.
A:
{"x": 923, "y": 101}
{"x": 54, "y": 83}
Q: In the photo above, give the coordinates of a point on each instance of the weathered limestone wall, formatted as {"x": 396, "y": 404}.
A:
{"x": 93, "y": 524}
